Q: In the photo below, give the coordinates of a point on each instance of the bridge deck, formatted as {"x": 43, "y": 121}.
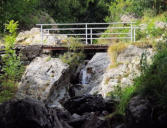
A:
{"x": 85, "y": 48}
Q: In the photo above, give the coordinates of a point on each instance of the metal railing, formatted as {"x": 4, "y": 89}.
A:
{"x": 90, "y": 31}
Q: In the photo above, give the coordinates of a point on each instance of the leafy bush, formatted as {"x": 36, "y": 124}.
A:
{"x": 75, "y": 54}
{"x": 153, "y": 83}
{"x": 117, "y": 8}
{"x": 74, "y": 44}
{"x": 122, "y": 95}
{"x": 76, "y": 10}
{"x": 125, "y": 96}
{"x": 71, "y": 58}
{"x": 12, "y": 69}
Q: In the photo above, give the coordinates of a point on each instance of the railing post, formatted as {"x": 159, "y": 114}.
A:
{"x": 86, "y": 31}
{"x": 41, "y": 34}
{"x": 91, "y": 35}
{"x": 131, "y": 32}
{"x": 134, "y": 34}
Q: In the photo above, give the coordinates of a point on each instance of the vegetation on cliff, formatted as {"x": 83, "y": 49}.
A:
{"x": 12, "y": 68}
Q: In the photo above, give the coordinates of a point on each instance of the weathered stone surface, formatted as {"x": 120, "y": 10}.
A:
{"x": 138, "y": 113}
{"x": 161, "y": 25}
{"x": 128, "y": 68}
{"x": 128, "y": 18}
{"x": 33, "y": 37}
{"x": 95, "y": 121}
{"x": 96, "y": 67}
{"x": 28, "y": 53}
{"x": 30, "y": 113}
{"x": 45, "y": 79}
{"x": 88, "y": 103}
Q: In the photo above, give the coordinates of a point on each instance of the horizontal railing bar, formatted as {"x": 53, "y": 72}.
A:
{"x": 88, "y": 34}
{"x": 106, "y": 38}
{"x": 85, "y": 23}
{"x": 110, "y": 33}
{"x": 59, "y": 29}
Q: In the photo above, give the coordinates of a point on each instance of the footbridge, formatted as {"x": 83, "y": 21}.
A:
{"x": 89, "y": 33}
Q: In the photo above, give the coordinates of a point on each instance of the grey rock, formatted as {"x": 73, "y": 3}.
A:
{"x": 161, "y": 25}
{"x": 96, "y": 67}
{"x": 33, "y": 37}
{"x": 29, "y": 113}
{"x": 128, "y": 18}
{"x": 138, "y": 113}
{"x": 45, "y": 79}
{"x": 88, "y": 103}
{"x": 28, "y": 53}
{"x": 127, "y": 69}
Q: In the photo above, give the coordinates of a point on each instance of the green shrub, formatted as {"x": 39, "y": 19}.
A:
{"x": 153, "y": 83}
{"x": 72, "y": 59}
{"x": 125, "y": 96}
{"x": 122, "y": 95}
{"x": 74, "y": 44}
{"x": 12, "y": 68}
{"x": 19, "y": 10}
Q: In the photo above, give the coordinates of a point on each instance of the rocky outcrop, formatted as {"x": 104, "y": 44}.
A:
{"x": 103, "y": 78}
{"x": 161, "y": 25}
{"x": 28, "y": 53}
{"x": 128, "y": 18}
{"x": 33, "y": 37}
{"x": 30, "y": 113}
{"x": 45, "y": 79}
{"x": 128, "y": 68}
{"x": 144, "y": 113}
{"x": 139, "y": 113}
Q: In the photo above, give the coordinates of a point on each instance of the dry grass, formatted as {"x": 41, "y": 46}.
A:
{"x": 116, "y": 48}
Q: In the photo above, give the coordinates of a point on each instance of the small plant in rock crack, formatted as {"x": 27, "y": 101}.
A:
{"x": 143, "y": 62}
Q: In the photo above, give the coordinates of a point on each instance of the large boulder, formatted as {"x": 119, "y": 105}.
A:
{"x": 28, "y": 113}
{"x": 139, "y": 113}
{"x": 145, "y": 113}
{"x": 88, "y": 103}
{"x": 45, "y": 79}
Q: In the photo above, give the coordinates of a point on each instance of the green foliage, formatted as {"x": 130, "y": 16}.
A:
{"x": 19, "y": 10}
{"x": 116, "y": 9}
{"x": 77, "y": 10}
{"x": 72, "y": 59}
{"x": 74, "y": 44}
{"x": 141, "y": 6}
{"x": 12, "y": 68}
{"x": 122, "y": 95}
{"x": 153, "y": 83}
{"x": 138, "y": 8}
{"x": 125, "y": 96}
{"x": 75, "y": 54}
{"x": 143, "y": 62}
{"x": 151, "y": 31}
